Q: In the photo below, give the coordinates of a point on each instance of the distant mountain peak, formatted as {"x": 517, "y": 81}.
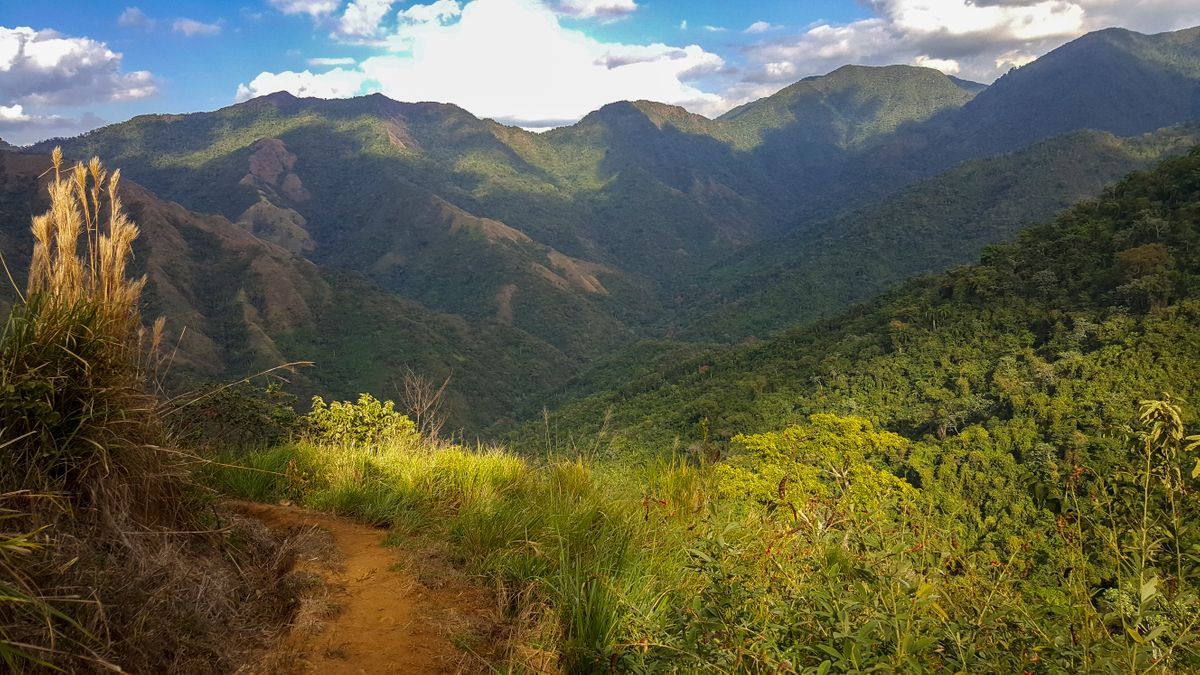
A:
{"x": 1114, "y": 80}
{"x": 850, "y": 105}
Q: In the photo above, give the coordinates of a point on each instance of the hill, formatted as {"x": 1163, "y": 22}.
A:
{"x": 1112, "y": 80}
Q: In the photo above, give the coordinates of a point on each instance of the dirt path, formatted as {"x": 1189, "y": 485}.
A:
{"x": 386, "y": 610}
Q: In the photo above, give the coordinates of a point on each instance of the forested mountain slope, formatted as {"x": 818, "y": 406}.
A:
{"x": 237, "y": 305}
{"x": 1048, "y": 342}
{"x": 577, "y": 243}
{"x": 926, "y": 228}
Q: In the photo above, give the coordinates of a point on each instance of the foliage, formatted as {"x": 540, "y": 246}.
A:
{"x": 928, "y": 227}
{"x": 235, "y": 416}
{"x": 842, "y": 567}
{"x": 365, "y": 423}
{"x": 964, "y": 476}
{"x": 488, "y": 246}
{"x": 828, "y": 459}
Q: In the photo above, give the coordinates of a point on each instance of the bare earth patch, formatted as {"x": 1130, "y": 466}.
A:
{"x": 382, "y": 609}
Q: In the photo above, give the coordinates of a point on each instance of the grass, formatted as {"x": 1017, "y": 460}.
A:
{"x": 104, "y": 537}
{"x": 573, "y": 552}
{"x": 668, "y": 567}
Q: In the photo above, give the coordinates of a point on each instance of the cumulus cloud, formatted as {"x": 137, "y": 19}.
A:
{"x": 134, "y": 17}
{"x": 441, "y": 11}
{"x": 45, "y": 67}
{"x": 194, "y": 28}
{"x": 312, "y": 8}
{"x": 12, "y": 114}
{"x": 524, "y": 67}
{"x": 947, "y": 66}
{"x": 362, "y": 17}
{"x": 336, "y": 83}
{"x": 979, "y": 39}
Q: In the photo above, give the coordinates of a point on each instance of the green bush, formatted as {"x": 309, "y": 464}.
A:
{"x": 365, "y": 423}
{"x": 238, "y": 417}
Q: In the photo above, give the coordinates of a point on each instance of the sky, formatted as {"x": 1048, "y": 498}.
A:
{"x": 69, "y": 66}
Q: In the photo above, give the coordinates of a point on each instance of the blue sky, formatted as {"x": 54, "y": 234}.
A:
{"x": 72, "y": 65}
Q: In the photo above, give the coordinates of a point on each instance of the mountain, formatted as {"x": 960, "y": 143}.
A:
{"x": 642, "y": 221}
{"x": 1112, "y": 80}
{"x": 237, "y": 305}
{"x": 926, "y": 228}
{"x": 577, "y": 236}
{"x": 1047, "y": 342}
{"x": 847, "y": 108}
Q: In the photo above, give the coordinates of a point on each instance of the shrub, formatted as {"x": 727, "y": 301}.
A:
{"x": 239, "y": 417}
{"x": 365, "y": 423}
{"x": 72, "y": 408}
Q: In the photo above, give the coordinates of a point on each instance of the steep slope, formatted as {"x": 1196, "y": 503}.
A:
{"x": 688, "y": 184}
{"x": 237, "y": 305}
{"x": 587, "y": 238}
{"x": 386, "y": 190}
{"x": 1112, "y": 80}
{"x": 927, "y": 228}
{"x": 1045, "y": 346}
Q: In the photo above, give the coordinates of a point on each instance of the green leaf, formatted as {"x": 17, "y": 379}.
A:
{"x": 1149, "y": 589}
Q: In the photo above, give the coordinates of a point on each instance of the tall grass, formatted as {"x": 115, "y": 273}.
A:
{"x": 579, "y": 558}
{"x": 73, "y": 409}
{"x": 107, "y": 569}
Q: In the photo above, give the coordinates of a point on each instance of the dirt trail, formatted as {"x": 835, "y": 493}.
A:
{"x": 393, "y": 611}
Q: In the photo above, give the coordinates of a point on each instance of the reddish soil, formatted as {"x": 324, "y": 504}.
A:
{"x": 381, "y": 609}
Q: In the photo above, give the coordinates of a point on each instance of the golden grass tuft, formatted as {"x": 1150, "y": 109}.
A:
{"x": 127, "y": 564}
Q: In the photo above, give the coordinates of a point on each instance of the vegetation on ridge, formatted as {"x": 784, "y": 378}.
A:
{"x": 965, "y": 475}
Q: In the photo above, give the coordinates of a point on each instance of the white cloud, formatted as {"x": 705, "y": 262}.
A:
{"x": 336, "y": 83}
{"x": 310, "y": 7}
{"x": 13, "y": 113}
{"x": 441, "y": 11}
{"x": 683, "y": 25}
{"x": 45, "y": 67}
{"x": 947, "y": 66}
{"x": 715, "y": 29}
{"x": 759, "y": 27}
{"x": 134, "y": 17}
{"x": 1014, "y": 58}
{"x": 589, "y": 9}
{"x": 22, "y": 128}
{"x": 981, "y": 38}
{"x": 320, "y": 62}
{"x": 523, "y": 66}
{"x": 362, "y": 17}
{"x": 194, "y": 28}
